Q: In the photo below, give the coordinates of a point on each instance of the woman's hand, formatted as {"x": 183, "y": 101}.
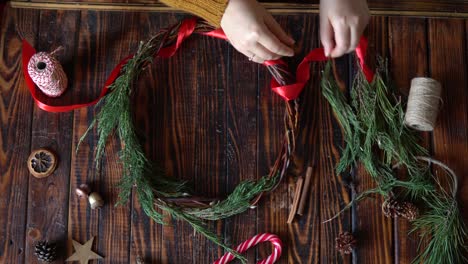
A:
{"x": 342, "y": 23}
{"x": 254, "y": 32}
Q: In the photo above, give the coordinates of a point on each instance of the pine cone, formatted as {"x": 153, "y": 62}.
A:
{"x": 345, "y": 243}
{"x": 391, "y": 207}
{"x": 394, "y": 208}
{"x": 45, "y": 252}
{"x": 409, "y": 211}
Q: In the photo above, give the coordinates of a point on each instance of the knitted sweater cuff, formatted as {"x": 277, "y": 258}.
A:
{"x": 210, "y": 10}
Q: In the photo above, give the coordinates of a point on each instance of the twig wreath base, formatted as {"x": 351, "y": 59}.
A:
{"x": 155, "y": 190}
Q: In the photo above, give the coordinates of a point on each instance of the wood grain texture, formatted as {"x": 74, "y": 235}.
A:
{"x": 374, "y": 230}
{"x": 273, "y": 209}
{"x": 178, "y": 76}
{"x": 407, "y": 61}
{"x": 334, "y": 189}
{"x": 15, "y": 134}
{"x": 83, "y": 223}
{"x": 448, "y": 66}
{"x": 150, "y": 118}
{"x": 120, "y": 36}
{"x": 215, "y": 165}
{"x": 241, "y": 141}
{"x": 48, "y": 209}
{"x": 209, "y": 116}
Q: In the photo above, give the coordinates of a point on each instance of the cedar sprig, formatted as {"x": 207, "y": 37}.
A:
{"x": 375, "y": 136}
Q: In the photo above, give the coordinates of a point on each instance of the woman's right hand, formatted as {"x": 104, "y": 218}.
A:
{"x": 254, "y": 32}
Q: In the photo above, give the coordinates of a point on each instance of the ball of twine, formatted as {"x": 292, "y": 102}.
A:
{"x": 47, "y": 73}
{"x": 423, "y": 104}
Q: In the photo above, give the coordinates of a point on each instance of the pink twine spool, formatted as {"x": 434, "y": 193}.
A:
{"x": 277, "y": 248}
{"x": 47, "y": 73}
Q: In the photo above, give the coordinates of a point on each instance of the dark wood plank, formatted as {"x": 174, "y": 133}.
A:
{"x": 150, "y": 121}
{"x": 48, "y": 197}
{"x": 374, "y": 230}
{"x": 90, "y": 74}
{"x": 408, "y": 59}
{"x": 178, "y": 83}
{"x": 334, "y": 189}
{"x": 118, "y": 39}
{"x": 212, "y": 147}
{"x": 273, "y": 208}
{"x": 241, "y": 144}
{"x": 15, "y": 133}
{"x": 448, "y": 65}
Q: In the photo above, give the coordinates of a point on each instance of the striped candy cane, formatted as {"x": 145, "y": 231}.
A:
{"x": 274, "y": 239}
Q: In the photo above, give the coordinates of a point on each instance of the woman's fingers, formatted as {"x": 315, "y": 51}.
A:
{"x": 273, "y": 44}
{"x": 326, "y": 35}
{"x": 253, "y": 31}
{"x": 341, "y": 24}
{"x": 258, "y": 59}
{"x": 276, "y": 29}
{"x": 342, "y": 37}
{"x": 260, "y": 51}
{"x": 354, "y": 41}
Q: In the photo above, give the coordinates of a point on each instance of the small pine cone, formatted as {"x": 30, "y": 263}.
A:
{"x": 394, "y": 208}
{"x": 391, "y": 207}
{"x": 45, "y": 252}
{"x": 345, "y": 243}
{"x": 409, "y": 211}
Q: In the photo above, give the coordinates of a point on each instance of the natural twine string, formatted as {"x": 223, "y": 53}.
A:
{"x": 47, "y": 73}
{"x": 423, "y": 104}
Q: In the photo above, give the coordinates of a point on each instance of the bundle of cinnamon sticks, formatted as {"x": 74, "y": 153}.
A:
{"x": 300, "y": 195}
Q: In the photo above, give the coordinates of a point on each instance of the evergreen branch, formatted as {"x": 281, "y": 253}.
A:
{"x": 201, "y": 228}
{"x": 445, "y": 229}
{"x": 375, "y": 135}
{"x": 238, "y": 201}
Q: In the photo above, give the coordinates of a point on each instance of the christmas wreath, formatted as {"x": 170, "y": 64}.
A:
{"x": 372, "y": 123}
{"x": 153, "y": 189}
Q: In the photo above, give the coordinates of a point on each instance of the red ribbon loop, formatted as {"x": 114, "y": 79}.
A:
{"x": 187, "y": 27}
{"x": 185, "y": 30}
{"x": 292, "y": 91}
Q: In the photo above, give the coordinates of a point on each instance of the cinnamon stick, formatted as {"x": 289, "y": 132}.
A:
{"x": 297, "y": 196}
{"x": 305, "y": 191}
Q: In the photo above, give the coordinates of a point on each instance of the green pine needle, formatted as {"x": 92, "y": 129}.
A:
{"x": 375, "y": 136}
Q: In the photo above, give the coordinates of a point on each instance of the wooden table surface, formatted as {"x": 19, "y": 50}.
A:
{"x": 207, "y": 116}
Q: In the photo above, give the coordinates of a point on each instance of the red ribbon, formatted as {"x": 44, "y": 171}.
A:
{"x": 187, "y": 27}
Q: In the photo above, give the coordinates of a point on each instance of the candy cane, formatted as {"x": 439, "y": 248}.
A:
{"x": 274, "y": 239}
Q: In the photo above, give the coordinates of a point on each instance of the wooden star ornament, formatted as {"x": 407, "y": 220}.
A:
{"x": 83, "y": 253}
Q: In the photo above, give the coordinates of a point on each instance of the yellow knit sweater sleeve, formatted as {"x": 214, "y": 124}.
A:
{"x": 210, "y": 10}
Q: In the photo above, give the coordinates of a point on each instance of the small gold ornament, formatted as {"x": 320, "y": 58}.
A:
{"x": 82, "y": 191}
{"x": 95, "y": 200}
{"x": 83, "y": 253}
